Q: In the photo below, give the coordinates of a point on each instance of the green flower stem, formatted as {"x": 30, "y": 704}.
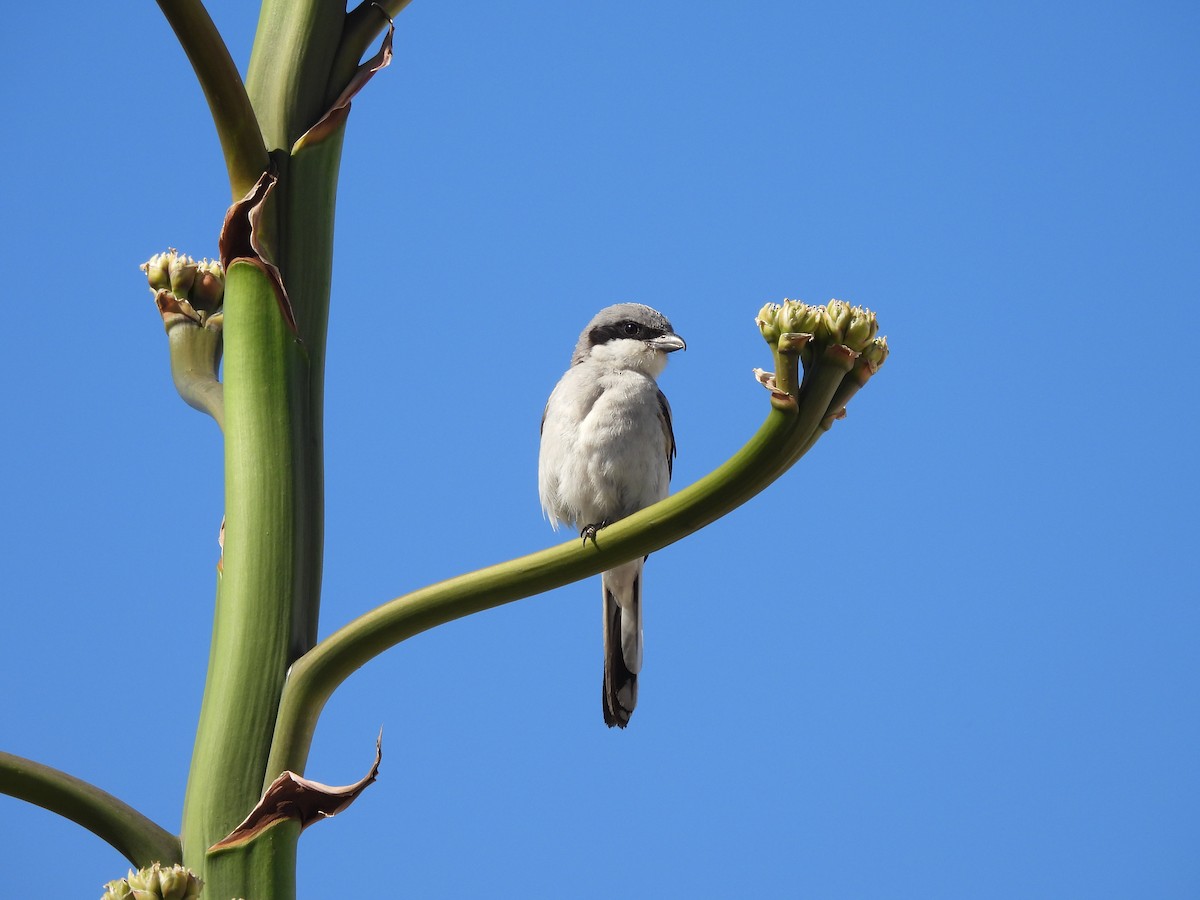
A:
{"x": 253, "y": 619}
{"x": 237, "y": 126}
{"x": 787, "y": 361}
{"x": 195, "y": 355}
{"x": 821, "y": 385}
{"x": 139, "y": 840}
{"x": 855, "y": 380}
{"x": 314, "y": 677}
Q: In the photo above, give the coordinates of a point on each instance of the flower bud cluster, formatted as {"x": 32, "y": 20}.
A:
{"x": 155, "y": 882}
{"x": 837, "y": 322}
{"x": 184, "y": 288}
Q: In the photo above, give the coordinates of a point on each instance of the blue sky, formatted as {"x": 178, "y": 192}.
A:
{"x": 951, "y": 654}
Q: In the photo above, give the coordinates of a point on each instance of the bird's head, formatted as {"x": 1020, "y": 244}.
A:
{"x": 628, "y": 336}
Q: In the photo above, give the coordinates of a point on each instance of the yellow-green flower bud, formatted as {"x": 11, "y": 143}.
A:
{"x": 170, "y": 885}
{"x": 817, "y": 322}
{"x": 876, "y": 353}
{"x": 183, "y": 273}
{"x": 825, "y": 328}
{"x": 862, "y": 328}
{"x": 145, "y": 883}
{"x": 175, "y": 883}
{"x": 806, "y": 319}
{"x": 208, "y": 287}
{"x": 791, "y": 316}
{"x": 118, "y": 890}
{"x": 767, "y": 323}
{"x": 158, "y": 270}
{"x": 837, "y": 315}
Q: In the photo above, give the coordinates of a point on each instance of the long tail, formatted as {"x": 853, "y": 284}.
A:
{"x": 622, "y": 641}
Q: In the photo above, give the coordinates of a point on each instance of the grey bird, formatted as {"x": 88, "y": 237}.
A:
{"x": 607, "y": 451}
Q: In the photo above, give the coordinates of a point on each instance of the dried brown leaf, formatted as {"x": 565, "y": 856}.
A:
{"x": 340, "y": 109}
{"x": 240, "y": 240}
{"x": 292, "y": 796}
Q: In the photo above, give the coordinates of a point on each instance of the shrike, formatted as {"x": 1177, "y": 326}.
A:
{"x": 607, "y": 451}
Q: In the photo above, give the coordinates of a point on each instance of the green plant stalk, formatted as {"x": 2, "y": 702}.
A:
{"x": 237, "y": 127}
{"x": 263, "y": 869}
{"x": 822, "y": 381}
{"x": 253, "y": 619}
{"x": 138, "y": 839}
{"x": 287, "y": 79}
{"x": 195, "y": 354}
{"x": 854, "y": 381}
{"x": 294, "y": 48}
{"x": 787, "y": 362}
{"x": 307, "y": 245}
{"x": 836, "y": 379}
{"x": 269, "y": 594}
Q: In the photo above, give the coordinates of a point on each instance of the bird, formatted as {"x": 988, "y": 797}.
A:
{"x": 607, "y": 450}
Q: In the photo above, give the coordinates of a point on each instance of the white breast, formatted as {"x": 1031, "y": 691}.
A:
{"x": 604, "y": 450}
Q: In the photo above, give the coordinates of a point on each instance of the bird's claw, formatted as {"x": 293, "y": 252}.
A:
{"x": 589, "y": 532}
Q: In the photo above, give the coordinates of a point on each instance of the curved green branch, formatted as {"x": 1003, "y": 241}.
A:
{"x": 139, "y": 840}
{"x": 195, "y": 355}
{"x": 787, "y": 429}
{"x": 237, "y": 126}
{"x": 838, "y": 347}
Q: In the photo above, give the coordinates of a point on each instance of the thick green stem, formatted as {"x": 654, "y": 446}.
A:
{"x": 139, "y": 840}
{"x": 269, "y": 593}
{"x": 288, "y": 75}
{"x": 253, "y": 620}
{"x": 264, "y": 868}
{"x": 307, "y": 246}
{"x": 237, "y": 126}
{"x": 294, "y": 48}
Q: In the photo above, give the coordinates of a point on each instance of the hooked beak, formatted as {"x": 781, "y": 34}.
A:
{"x": 667, "y": 343}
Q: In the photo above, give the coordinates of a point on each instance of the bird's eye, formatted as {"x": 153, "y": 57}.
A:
{"x": 633, "y": 329}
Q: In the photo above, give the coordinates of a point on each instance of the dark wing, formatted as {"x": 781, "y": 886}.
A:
{"x": 664, "y": 416}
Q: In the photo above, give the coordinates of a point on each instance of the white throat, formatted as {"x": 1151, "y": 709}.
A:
{"x": 625, "y": 353}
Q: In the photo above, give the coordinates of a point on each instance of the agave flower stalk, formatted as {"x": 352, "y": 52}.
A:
{"x": 247, "y": 345}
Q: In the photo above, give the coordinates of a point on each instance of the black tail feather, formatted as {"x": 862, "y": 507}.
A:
{"x": 619, "y": 688}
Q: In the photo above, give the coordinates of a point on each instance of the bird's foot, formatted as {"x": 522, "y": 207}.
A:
{"x": 589, "y": 532}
